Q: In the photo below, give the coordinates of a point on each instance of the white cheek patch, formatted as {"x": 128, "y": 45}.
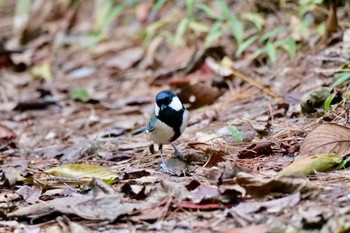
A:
{"x": 156, "y": 110}
{"x": 176, "y": 104}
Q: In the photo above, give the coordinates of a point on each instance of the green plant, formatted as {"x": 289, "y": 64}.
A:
{"x": 235, "y": 133}
{"x": 105, "y": 14}
{"x": 341, "y": 78}
{"x": 201, "y": 20}
{"x": 80, "y": 94}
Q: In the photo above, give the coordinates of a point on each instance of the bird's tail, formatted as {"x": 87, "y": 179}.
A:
{"x": 138, "y": 131}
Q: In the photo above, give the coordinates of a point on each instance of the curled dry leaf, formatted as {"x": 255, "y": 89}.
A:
{"x": 307, "y": 166}
{"x": 326, "y": 138}
{"x": 134, "y": 191}
{"x": 260, "y": 187}
{"x": 256, "y": 149}
{"x": 198, "y": 94}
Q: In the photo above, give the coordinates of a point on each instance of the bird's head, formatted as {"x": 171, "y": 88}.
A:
{"x": 167, "y": 99}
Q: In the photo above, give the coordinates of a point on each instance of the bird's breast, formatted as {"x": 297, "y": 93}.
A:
{"x": 162, "y": 134}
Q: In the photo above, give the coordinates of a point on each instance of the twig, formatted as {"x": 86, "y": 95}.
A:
{"x": 254, "y": 83}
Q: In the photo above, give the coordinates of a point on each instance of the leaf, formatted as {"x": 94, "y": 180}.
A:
{"x": 271, "y": 34}
{"x": 263, "y": 228}
{"x": 257, "y": 149}
{"x": 308, "y": 165}
{"x": 255, "y": 18}
{"x": 245, "y": 45}
{"x": 260, "y": 187}
{"x": 341, "y": 78}
{"x": 288, "y": 45}
{"x": 236, "y": 25}
{"x": 102, "y": 208}
{"x": 271, "y": 52}
{"x": 198, "y": 27}
{"x": 224, "y": 8}
{"x": 235, "y": 133}
{"x": 42, "y": 71}
{"x": 80, "y": 94}
{"x": 210, "y": 12}
{"x": 180, "y": 31}
{"x": 237, "y": 30}
{"x": 327, "y": 102}
{"x": 327, "y": 138}
{"x": 83, "y": 171}
{"x": 214, "y": 33}
{"x": 189, "y": 7}
{"x": 156, "y": 7}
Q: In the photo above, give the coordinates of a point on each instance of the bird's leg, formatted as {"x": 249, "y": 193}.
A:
{"x": 160, "y": 147}
{"x": 163, "y": 165}
{"x": 177, "y": 152}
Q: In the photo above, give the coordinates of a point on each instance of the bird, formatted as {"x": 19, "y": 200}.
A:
{"x": 167, "y": 122}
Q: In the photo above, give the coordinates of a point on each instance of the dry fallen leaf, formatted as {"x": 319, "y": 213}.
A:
{"x": 125, "y": 59}
{"x": 326, "y": 138}
{"x": 83, "y": 171}
{"x": 105, "y": 207}
{"x": 250, "y": 229}
{"x": 246, "y": 210}
{"x": 307, "y": 166}
{"x": 261, "y": 187}
{"x": 256, "y": 149}
{"x": 29, "y": 194}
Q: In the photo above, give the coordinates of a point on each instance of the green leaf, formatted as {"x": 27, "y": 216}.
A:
{"x": 83, "y": 171}
{"x": 258, "y": 52}
{"x": 255, "y": 18}
{"x": 180, "y": 31}
{"x": 189, "y": 7}
{"x": 235, "y": 133}
{"x": 198, "y": 27}
{"x": 341, "y": 78}
{"x": 156, "y": 7}
{"x": 224, "y": 8}
{"x": 102, "y": 14}
{"x": 245, "y": 45}
{"x": 236, "y": 25}
{"x": 327, "y": 102}
{"x": 271, "y": 52}
{"x": 271, "y": 34}
{"x": 288, "y": 45}
{"x": 214, "y": 33}
{"x": 80, "y": 94}
{"x": 237, "y": 30}
{"x": 113, "y": 14}
{"x": 206, "y": 9}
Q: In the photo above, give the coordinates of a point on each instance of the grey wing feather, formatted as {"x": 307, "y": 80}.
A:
{"x": 152, "y": 123}
{"x": 138, "y": 131}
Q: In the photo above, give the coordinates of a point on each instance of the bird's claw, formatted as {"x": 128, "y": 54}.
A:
{"x": 166, "y": 168}
{"x": 179, "y": 154}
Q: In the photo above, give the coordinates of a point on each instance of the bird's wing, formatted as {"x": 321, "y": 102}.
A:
{"x": 152, "y": 123}
{"x": 138, "y": 131}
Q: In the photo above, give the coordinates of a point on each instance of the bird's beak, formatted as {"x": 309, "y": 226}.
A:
{"x": 162, "y": 107}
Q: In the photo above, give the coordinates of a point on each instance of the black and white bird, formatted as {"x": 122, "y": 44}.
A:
{"x": 168, "y": 121}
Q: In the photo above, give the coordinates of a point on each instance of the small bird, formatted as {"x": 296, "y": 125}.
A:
{"x": 168, "y": 121}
